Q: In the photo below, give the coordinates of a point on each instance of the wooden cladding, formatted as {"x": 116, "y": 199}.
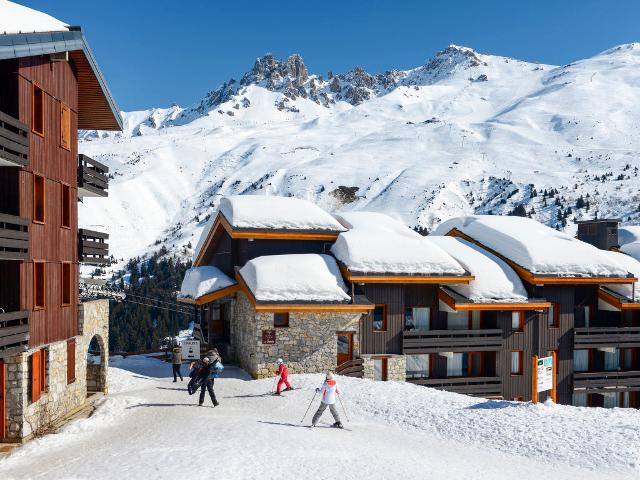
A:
{"x": 65, "y": 220}
{"x": 66, "y": 284}
{"x": 39, "y": 285}
{"x": 65, "y": 127}
{"x": 39, "y": 199}
{"x": 37, "y": 110}
{"x": 38, "y": 378}
{"x": 71, "y": 361}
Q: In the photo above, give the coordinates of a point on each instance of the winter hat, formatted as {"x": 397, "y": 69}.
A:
{"x": 329, "y": 376}
{"x": 279, "y": 361}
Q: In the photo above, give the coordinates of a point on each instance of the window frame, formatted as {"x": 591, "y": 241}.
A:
{"x": 521, "y": 321}
{"x": 66, "y": 206}
{"x": 520, "y": 371}
{"x": 384, "y": 318}
{"x": 37, "y": 179}
{"x": 411, "y": 307}
{"x": 36, "y": 305}
{"x": 285, "y": 324}
{"x": 65, "y": 123}
{"x": 66, "y": 282}
{"x": 554, "y": 322}
{"x": 34, "y": 89}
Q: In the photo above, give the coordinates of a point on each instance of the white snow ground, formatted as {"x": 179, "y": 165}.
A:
{"x": 149, "y": 427}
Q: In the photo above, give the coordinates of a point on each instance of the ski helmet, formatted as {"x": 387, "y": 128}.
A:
{"x": 279, "y": 361}
{"x": 329, "y": 376}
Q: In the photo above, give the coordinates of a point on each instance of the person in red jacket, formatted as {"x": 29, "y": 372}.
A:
{"x": 284, "y": 376}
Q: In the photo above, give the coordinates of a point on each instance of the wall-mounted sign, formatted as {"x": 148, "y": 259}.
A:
{"x": 268, "y": 337}
{"x": 190, "y": 349}
{"x": 545, "y": 374}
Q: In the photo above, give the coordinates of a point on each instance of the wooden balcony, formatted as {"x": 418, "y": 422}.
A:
{"x": 14, "y": 332}
{"x": 14, "y": 237}
{"x": 602, "y": 382}
{"x": 478, "y": 386}
{"x": 597, "y": 337}
{"x": 434, "y": 341}
{"x": 14, "y": 142}
{"x": 92, "y": 177}
{"x": 93, "y": 248}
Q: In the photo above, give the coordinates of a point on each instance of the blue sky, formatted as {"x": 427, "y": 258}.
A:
{"x": 154, "y": 53}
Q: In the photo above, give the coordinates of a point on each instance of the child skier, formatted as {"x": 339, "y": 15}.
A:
{"x": 284, "y": 376}
{"x": 329, "y": 391}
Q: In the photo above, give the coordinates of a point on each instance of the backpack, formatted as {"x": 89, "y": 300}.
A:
{"x": 218, "y": 368}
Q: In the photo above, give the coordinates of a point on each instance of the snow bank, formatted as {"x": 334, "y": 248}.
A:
{"x": 633, "y": 266}
{"x": 295, "y": 278}
{"x": 534, "y": 246}
{"x": 16, "y": 18}
{"x": 632, "y": 249}
{"x": 376, "y": 243}
{"x": 495, "y": 281}
{"x": 199, "y": 281}
{"x": 629, "y": 234}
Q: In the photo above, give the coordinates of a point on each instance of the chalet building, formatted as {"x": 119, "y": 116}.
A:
{"x": 50, "y": 86}
{"x": 464, "y": 309}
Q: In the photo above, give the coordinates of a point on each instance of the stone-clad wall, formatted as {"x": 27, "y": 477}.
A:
{"x": 396, "y": 367}
{"x": 307, "y": 345}
{"x": 26, "y": 418}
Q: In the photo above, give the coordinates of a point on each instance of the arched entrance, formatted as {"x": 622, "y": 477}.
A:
{"x": 96, "y": 366}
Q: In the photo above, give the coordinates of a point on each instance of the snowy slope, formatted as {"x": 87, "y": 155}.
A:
{"x": 464, "y": 133}
{"x": 149, "y": 427}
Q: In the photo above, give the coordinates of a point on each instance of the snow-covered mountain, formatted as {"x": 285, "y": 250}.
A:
{"x": 463, "y": 133}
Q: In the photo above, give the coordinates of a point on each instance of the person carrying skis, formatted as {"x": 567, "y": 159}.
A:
{"x": 284, "y": 376}
{"x": 176, "y": 361}
{"x": 329, "y": 390}
{"x": 210, "y": 371}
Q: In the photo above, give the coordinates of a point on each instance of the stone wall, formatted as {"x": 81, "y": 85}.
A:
{"x": 396, "y": 367}
{"x": 26, "y": 418}
{"x": 307, "y": 345}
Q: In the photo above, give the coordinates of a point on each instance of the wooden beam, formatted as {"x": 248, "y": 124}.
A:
{"x": 407, "y": 279}
{"x": 616, "y": 302}
{"x": 451, "y": 302}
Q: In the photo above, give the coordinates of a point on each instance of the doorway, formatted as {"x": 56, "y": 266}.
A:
{"x": 345, "y": 347}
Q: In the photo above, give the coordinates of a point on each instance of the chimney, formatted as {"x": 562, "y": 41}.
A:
{"x": 601, "y": 233}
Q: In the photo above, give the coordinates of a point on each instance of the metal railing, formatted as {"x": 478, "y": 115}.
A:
{"x": 14, "y": 141}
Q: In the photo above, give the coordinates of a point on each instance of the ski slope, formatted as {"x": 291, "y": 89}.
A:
{"x": 149, "y": 427}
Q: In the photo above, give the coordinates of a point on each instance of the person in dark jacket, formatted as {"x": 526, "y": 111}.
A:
{"x": 210, "y": 371}
{"x": 176, "y": 360}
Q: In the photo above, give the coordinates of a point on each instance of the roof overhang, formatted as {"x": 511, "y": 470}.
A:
{"x": 458, "y": 302}
{"x": 284, "y": 307}
{"x": 362, "y": 277}
{"x": 620, "y": 302}
{"x": 212, "y": 296}
{"x": 96, "y": 106}
{"x": 545, "y": 279}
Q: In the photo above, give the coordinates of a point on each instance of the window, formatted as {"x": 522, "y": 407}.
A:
{"x": 39, "y": 286}
{"x": 476, "y": 320}
{"x": 71, "y": 361}
{"x": 458, "y": 320}
{"x": 581, "y": 360}
{"x": 65, "y": 221}
{"x": 38, "y": 374}
{"x": 37, "y": 112}
{"x": 280, "y": 319}
{"x": 517, "y": 360}
{"x": 612, "y": 360}
{"x": 66, "y": 284}
{"x": 65, "y": 127}
{"x": 457, "y": 365}
{"x": 39, "y": 199}
{"x": 418, "y": 318}
{"x": 418, "y": 366}
{"x": 553, "y": 318}
{"x": 517, "y": 321}
{"x": 587, "y": 315}
{"x": 579, "y": 399}
{"x": 380, "y": 369}
{"x": 380, "y": 318}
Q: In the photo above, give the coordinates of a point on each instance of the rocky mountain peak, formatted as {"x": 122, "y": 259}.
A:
{"x": 272, "y": 71}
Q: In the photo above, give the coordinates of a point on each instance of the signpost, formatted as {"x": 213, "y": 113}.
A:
{"x": 544, "y": 376}
{"x": 190, "y": 349}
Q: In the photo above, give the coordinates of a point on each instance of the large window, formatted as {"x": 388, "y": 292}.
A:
{"x": 380, "y": 318}
{"x": 612, "y": 360}
{"x": 39, "y": 285}
{"x": 517, "y": 321}
{"x": 66, "y": 284}
{"x": 65, "y": 127}
{"x": 553, "y": 318}
{"x": 65, "y": 221}
{"x": 418, "y": 318}
{"x": 581, "y": 360}
{"x": 457, "y": 365}
{"x": 458, "y": 320}
{"x": 37, "y": 111}
{"x": 380, "y": 369}
{"x": 39, "y": 199}
{"x": 280, "y": 319}
{"x": 418, "y": 366}
{"x": 517, "y": 361}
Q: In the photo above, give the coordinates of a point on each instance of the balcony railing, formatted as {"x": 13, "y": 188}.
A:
{"x": 92, "y": 177}
{"x": 14, "y": 237}
{"x": 14, "y": 332}
{"x": 351, "y": 368}
{"x": 14, "y": 142}
{"x": 481, "y": 386}
{"x": 596, "y": 337}
{"x": 433, "y": 341}
{"x": 601, "y": 382}
{"x": 93, "y": 248}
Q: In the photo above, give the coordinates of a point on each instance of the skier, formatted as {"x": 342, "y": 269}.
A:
{"x": 176, "y": 360}
{"x": 329, "y": 391}
{"x": 209, "y": 373}
{"x": 284, "y": 377}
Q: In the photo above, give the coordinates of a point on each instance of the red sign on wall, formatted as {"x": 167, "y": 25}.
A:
{"x": 268, "y": 337}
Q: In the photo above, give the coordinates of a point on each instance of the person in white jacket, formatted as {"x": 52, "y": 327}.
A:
{"x": 329, "y": 391}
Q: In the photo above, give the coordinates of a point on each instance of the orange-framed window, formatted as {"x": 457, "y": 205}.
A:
{"x": 39, "y": 199}
{"x": 39, "y": 285}
{"x": 65, "y": 126}
{"x": 65, "y": 221}
{"x": 380, "y": 318}
{"x": 66, "y": 284}
{"x": 517, "y": 321}
{"x": 517, "y": 362}
{"x": 281, "y": 319}
{"x": 71, "y": 361}
{"x": 553, "y": 318}
{"x": 38, "y": 374}
{"x": 37, "y": 110}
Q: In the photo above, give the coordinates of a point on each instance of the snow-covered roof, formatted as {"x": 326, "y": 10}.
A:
{"x": 632, "y": 266}
{"x": 295, "y": 278}
{"x": 629, "y": 234}
{"x": 376, "y": 243}
{"x": 534, "y": 246}
{"x": 15, "y": 18}
{"x": 494, "y": 282}
{"x": 200, "y": 281}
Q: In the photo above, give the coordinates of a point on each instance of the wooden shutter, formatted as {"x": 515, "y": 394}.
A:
{"x": 66, "y": 284}
{"x": 43, "y": 370}
{"x": 37, "y": 112}
{"x": 39, "y": 199}
{"x": 71, "y": 361}
{"x": 65, "y": 127}
{"x": 65, "y": 221}
{"x": 36, "y": 371}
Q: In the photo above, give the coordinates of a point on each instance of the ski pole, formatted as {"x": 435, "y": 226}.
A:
{"x": 305, "y": 413}
{"x": 345, "y": 410}
{"x": 274, "y": 384}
